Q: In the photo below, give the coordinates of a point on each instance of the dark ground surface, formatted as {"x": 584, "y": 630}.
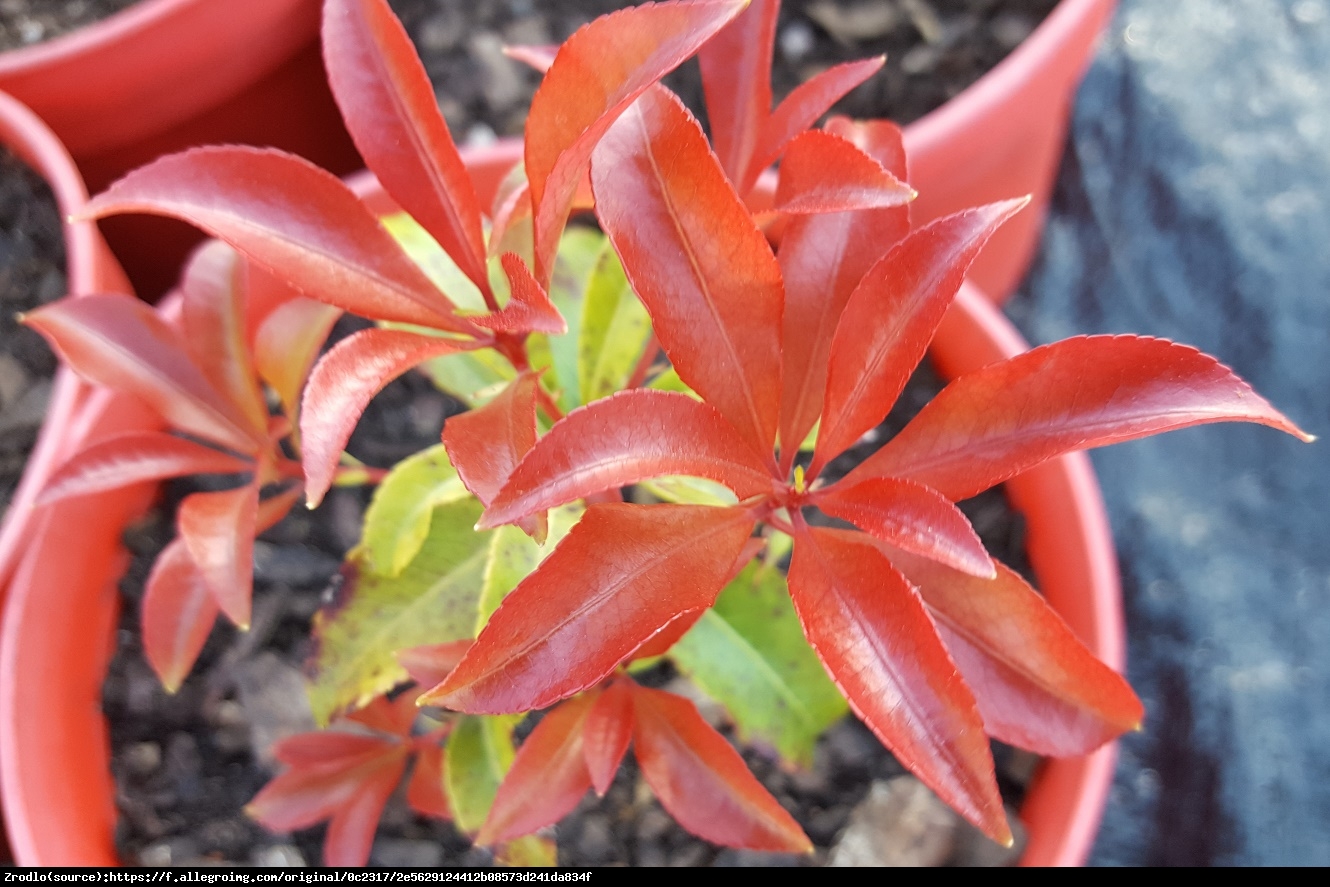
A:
{"x": 1194, "y": 203}
{"x": 24, "y": 22}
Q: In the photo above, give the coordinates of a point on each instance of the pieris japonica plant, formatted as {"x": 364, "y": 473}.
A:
{"x": 640, "y": 308}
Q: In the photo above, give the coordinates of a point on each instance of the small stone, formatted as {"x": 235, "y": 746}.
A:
{"x": 406, "y": 853}
{"x": 851, "y": 23}
{"x": 595, "y": 842}
{"x": 920, "y": 60}
{"x": 1010, "y": 29}
{"x": 501, "y": 82}
{"x": 796, "y": 41}
{"x": 13, "y": 380}
{"x": 143, "y": 758}
{"x": 900, "y": 823}
{"x": 272, "y": 694}
{"x": 278, "y": 856}
{"x": 974, "y": 849}
{"x": 295, "y": 566}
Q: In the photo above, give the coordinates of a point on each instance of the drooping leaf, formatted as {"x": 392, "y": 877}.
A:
{"x": 529, "y": 309}
{"x": 286, "y": 344}
{"x": 294, "y": 219}
{"x": 624, "y": 438}
{"x": 823, "y": 173}
{"x": 119, "y": 342}
{"x": 696, "y": 260}
{"x": 870, "y": 629}
{"x": 622, "y": 574}
{"x": 479, "y": 754}
{"x": 392, "y": 115}
{"x": 398, "y": 518}
{"x": 736, "y": 79}
{"x": 132, "y": 458}
{"x": 912, "y": 517}
{"x": 514, "y": 555}
{"x": 432, "y": 601}
{"x": 800, "y": 109}
{"x": 823, "y": 258}
{"x": 213, "y": 289}
{"x": 596, "y": 74}
{"x": 749, "y": 653}
{"x": 615, "y": 328}
{"x": 1079, "y": 393}
{"x": 548, "y": 776}
{"x": 342, "y": 385}
{"x": 218, "y": 528}
{"x": 890, "y": 319}
{"x": 703, "y": 782}
{"x": 178, "y": 613}
{"x": 427, "y": 792}
{"x": 606, "y": 733}
{"x": 1036, "y": 684}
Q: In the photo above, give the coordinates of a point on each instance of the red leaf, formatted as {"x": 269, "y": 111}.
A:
{"x": 622, "y": 573}
{"x": 696, "y": 259}
{"x": 701, "y": 780}
{"x": 529, "y": 310}
{"x": 134, "y": 458}
{"x": 822, "y": 259}
{"x": 325, "y": 748}
{"x": 218, "y": 528}
{"x": 486, "y": 444}
{"x": 824, "y": 173}
{"x": 119, "y": 342}
{"x": 1090, "y": 391}
{"x": 1036, "y": 684}
{"x": 351, "y": 830}
{"x": 288, "y": 341}
{"x": 430, "y": 664}
{"x": 912, "y": 517}
{"x": 394, "y": 717}
{"x": 622, "y": 439}
{"x": 275, "y": 507}
{"x": 213, "y": 290}
{"x": 388, "y": 103}
{"x": 425, "y": 792}
{"x": 736, "y": 78}
{"x": 597, "y": 73}
{"x": 296, "y": 220}
{"x": 800, "y": 109}
{"x": 870, "y": 630}
{"x": 178, "y": 613}
{"x": 606, "y": 734}
{"x": 890, "y": 319}
{"x": 548, "y": 777}
{"x": 343, "y": 383}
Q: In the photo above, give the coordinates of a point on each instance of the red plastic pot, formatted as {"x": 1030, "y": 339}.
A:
{"x": 164, "y": 75}
{"x": 1003, "y": 137}
{"x": 54, "y": 760}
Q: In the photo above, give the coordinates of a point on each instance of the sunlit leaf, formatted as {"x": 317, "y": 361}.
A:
{"x": 822, "y": 173}
{"x": 529, "y": 308}
{"x": 432, "y": 601}
{"x": 623, "y": 573}
{"x": 473, "y": 377}
{"x": 606, "y": 734}
{"x": 1085, "y": 392}
{"x": 701, "y": 780}
{"x": 736, "y": 78}
{"x": 479, "y": 754}
{"x": 287, "y": 343}
{"x": 513, "y": 555}
{"x": 218, "y": 528}
{"x": 748, "y": 652}
{"x": 398, "y": 518}
{"x": 580, "y": 249}
{"x": 870, "y": 629}
{"x": 438, "y": 266}
{"x": 134, "y": 457}
{"x": 696, "y": 260}
{"x": 615, "y": 329}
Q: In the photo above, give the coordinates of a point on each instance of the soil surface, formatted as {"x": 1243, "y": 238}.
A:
{"x": 25, "y": 22}
{"x": 186, "y": 764}
{"x": 32, "y": 272}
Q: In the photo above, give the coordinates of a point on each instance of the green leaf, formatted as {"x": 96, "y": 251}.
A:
{"x": 529, "y": 851}
{"x": 615, "y": 329}
{"x": 480, "y": 751}
{"x": 432, "y": 601}
{"x": 513, "y": 555}
{"x": 437, "y": 264}
{"x": 684, "y": 490}
{"x": 398, "y": 518}
{"x": 748, "y": 652}
{"x": 579, "y": 250}
{"x": 473, "y": 377}
{"x": 670, "y": 381}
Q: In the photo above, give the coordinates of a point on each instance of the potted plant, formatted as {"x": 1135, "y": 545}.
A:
{"x": 731, "y": 315}
{"x": 162, "y": 75}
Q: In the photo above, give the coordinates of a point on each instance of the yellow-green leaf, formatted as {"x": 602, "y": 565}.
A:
{"x": 578, "y": 251}
{"x": 480, "y": 751}
{"x": 684, "y": 490}
{"x": 437, "y": 264}
{"x": 670, "y": 381}
{"x": 529, "y": 851}
{"x": 513, "y": 555}
{"x": 398, "y": 518}
{"x": 473, "y": 377}
{"x": 432, "y": 601}
{"x": 748, "y": 652}
{"x": 615, "y": 329}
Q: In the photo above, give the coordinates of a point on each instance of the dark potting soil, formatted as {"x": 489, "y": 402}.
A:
{"x": 186, "y": 764}
{"x": 934, "y": 49}
{"x": 25, "y": 22}
{"x": 32, "y": 272}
